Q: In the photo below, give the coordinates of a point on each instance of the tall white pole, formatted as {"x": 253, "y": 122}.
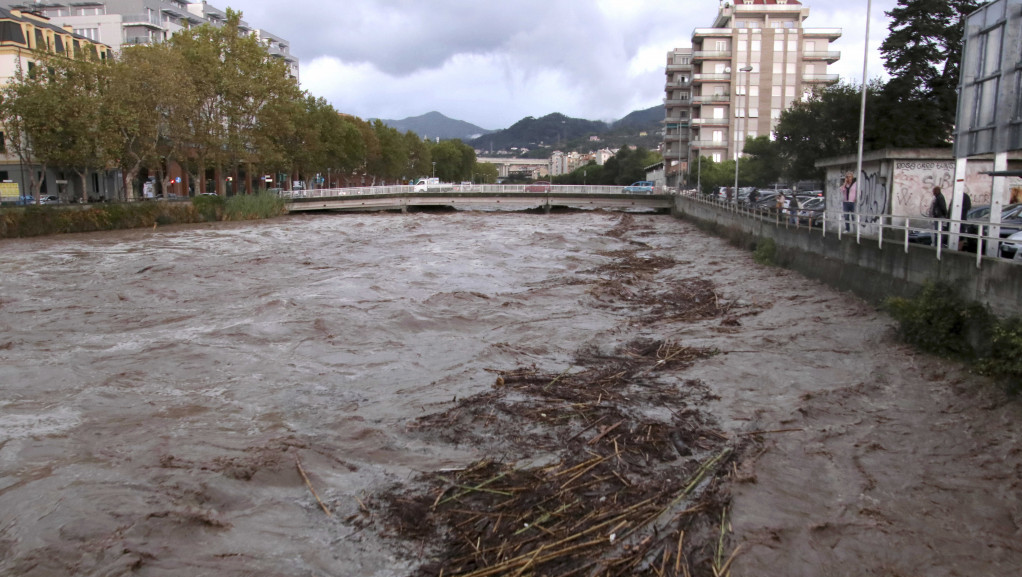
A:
{"x": 862, "y": 113}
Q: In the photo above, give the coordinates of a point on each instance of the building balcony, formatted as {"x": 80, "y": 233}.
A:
{"x": 678, "y": 67}
{"x": 138, "y": 40}
{"x": 828, "y": 33}
{"x": 702, "y": 144}
{"x": 675, "y": 84}
{"x": 711, "y": 99}
{"x": 820, "y": 78}
{"x": 711, "y": 121}
{"x": 711, "y": 55}
{"x": 672, "y": 102}
{"x": 719, "y": 77}
{"x": 711, "y": 33}
{"x": 831, "y": 56}
{"x": 154, "y": 20}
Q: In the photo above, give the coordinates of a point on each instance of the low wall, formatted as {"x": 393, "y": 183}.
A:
{"x": 864, "y": 268}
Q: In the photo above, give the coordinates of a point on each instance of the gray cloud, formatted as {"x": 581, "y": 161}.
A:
{"x": 494, "y": 63}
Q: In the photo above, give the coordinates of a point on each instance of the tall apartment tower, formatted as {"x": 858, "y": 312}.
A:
{"x": 754, "y": 62}
{"x": 678, "y": 106}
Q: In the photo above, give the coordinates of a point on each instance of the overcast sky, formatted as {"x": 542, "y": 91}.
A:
{"x": 494, "y": 63}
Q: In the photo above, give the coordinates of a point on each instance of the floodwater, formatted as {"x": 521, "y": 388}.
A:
{"x": 164, "y": 391}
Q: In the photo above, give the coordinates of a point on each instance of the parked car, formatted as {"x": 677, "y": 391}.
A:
{"x": 1011, "y": 222}
{"x": 812, "y": 210}
{"x": 49, "y": 199}
{"x": 1012, "y": 247}
{"x": 541, "y": 186}
{"x": 767, "y": 202}
{"x": 639, "y": 187}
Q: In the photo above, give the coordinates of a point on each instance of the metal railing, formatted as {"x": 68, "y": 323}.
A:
{"x": 401, "y": 189}
{"x": 892, "y": 230}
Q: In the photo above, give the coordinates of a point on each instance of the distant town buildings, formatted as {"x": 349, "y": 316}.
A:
{"x": 755, "y": 60}
{"x": 119, "y": 23}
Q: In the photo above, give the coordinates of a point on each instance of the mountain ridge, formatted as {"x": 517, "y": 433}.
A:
{"x": 555, "y": 130}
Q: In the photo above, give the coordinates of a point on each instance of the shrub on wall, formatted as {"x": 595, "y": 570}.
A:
{"x": 940, "y": 322}
{"x": 37, "y": 220}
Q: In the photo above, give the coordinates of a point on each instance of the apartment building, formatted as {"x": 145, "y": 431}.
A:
{"x": 755, "y": 60}
{"x": 119, "y": 23}
{"x": 678, "y": 106}
{"x": 23, "y": 37}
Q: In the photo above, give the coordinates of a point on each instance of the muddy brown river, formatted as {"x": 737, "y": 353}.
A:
{"x": 230, "y": 399}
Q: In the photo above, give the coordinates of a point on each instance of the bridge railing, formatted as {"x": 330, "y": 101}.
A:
{"x": 524, "y": 189}
{"x": 942, "y": 233}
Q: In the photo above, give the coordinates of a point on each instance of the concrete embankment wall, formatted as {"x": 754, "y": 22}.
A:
{"x": 868, "y": 270}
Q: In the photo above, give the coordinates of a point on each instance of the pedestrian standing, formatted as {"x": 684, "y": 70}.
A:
{"x": 938, "y": 210}
{"x": 849, "y": 193}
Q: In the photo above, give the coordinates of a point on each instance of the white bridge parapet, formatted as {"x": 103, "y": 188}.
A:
{"x": 497, "y": 195}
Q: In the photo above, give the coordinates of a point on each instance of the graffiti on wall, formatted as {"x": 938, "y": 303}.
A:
{"x": 873, "y": 196}
{"x": 914, "y": 182}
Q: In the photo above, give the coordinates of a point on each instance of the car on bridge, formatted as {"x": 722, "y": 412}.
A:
{"x": 430, "y": 185}
{"x": 639, "y": 187}
{"x": 541, "y": 186}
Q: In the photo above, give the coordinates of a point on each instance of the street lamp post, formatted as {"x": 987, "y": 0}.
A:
{"x": 738, "y": 152}
{"x": 862, "y": 120}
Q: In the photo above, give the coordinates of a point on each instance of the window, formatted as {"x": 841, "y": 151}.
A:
{"x": 90, "y": 33}
{"x": 789, "y": 91}
{"x": 740, "y": 90}
{"x": 743, "y": 45}
{"x": 789, "y": 68}
{"x": 775, "y": 114}
{"x": 778, "y": 68}
{"x": 720, "y": 68}
{"x": 754, "y": 90}
{"x": 986, "y": 102}
{"x": 753, "y": 113}
{"x": 718, "y": 112}
{"x": 721, "y": 46}
{"x": 739, "y": 112}
{"x": 717, "y": 157}
{"x": 718, "y": 136}
{"x": 990, "y": 51}
{"x": 778, "y": 46}
{"x": 757, "y": 45}
{"x": 776, "y": 91}
{"x": 792, "y": 45}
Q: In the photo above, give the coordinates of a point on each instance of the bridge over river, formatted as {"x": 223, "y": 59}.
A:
{"x": 494, "y": 196}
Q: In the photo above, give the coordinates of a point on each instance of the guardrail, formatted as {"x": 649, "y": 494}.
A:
{"x": 473, "y": 188}
{"x": 892, "y": 230}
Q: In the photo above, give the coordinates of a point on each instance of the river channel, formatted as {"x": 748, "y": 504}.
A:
{"x": 192, "y": 400}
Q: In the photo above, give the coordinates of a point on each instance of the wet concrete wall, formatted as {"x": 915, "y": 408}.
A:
{"x": 865, "y": 268}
